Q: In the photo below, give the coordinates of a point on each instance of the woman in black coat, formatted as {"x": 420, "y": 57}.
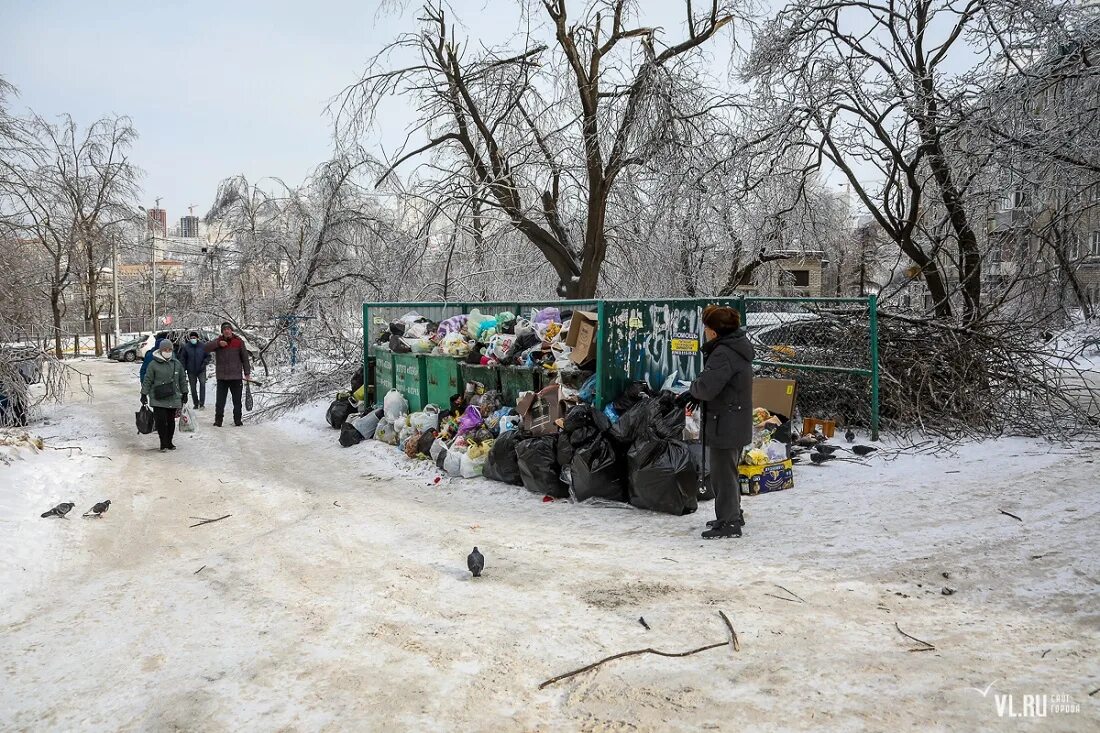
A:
{"x": 725, "y": 389}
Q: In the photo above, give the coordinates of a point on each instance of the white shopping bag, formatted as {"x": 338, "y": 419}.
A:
{"x": 187, "y": 420}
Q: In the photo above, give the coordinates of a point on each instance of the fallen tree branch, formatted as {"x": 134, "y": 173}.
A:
{"x": 635, "y": 652}
{"x": 734, "y": 641}
{"x": 1010, "y": 514}
{"x": 927, "y": 647}
{"x": 777, "y": 585}
{"x": 209, "y": 521}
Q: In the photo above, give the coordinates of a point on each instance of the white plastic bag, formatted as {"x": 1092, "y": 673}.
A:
{"x": 386, "y": 433}
{"x": 438, "y": 446}
{"x": 509, "y": 422}
{"x": 395, "y": 405}
{"x": 452, "y": 464}
{"x": 368, "y": 424}
{"x": 691, "y": 427}
{"x": 473, "y": 467}
{"x": 426, "y": 420}
{"x": 187, "y": 420}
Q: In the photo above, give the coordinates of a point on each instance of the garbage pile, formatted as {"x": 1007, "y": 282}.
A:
{"x": 551, "y": 339}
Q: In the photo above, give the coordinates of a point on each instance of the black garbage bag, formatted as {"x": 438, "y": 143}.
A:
{"x": 427, "y": 438}
{"x": 350, "y": 435}
{"x": 583, "y": 423}
{"x": 539, "y": 468}
{"x": 630, "y": 425}
{"x": 338, "y": 412}
{"x": 502, "y": 463}
{"x": 635, "y": 392}
{"x": 666, "y": 480}
{"x": 397, "y": 328}
{"x": 440, "y": 459}
{"x": 598, "y": 472}
{"x": 145, "y": 420}
{"x": 563, "y": 450}
{"x": 702, "y": 468}
{"x": 398, "y": 346}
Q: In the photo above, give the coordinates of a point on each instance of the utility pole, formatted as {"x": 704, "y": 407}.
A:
{"x": 114, "y": 287}
{"x": 153, "y": 232}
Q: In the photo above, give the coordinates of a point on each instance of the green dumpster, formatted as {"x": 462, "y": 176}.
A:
{"x": 412, "y": 381}
{"x": 487, "y": 375}
{"x": 514, "y": 380}
{"x": 443, "y": 380}
{"x": 384, "y": 379}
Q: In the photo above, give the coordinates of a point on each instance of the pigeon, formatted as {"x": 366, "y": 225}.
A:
{"x": 806, "y": 441}
{"x": 820, "y": 458}
{"x": 60, "y": 510}
{"x": 99, "y": 509}
{"x": 826, "y": 449}
{"x": 850, "y": 436}
{"x": 476, "y": 563}
{"x": 863, "y": 450}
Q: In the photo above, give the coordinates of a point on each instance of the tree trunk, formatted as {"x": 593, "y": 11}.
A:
{"x": 55, "y": 307}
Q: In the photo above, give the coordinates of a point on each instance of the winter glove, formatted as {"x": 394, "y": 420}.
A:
{"x": 179, "y": 411}
{"x": 144, "y": 400}
{"x": 686, "y": 400}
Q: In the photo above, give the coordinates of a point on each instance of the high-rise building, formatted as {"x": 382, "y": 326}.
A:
{"x": 158, "y": 222}
{"x": 189, "y": 227}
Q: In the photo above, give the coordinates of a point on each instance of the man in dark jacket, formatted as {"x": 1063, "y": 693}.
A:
{"x": 725, "y": 389}
{"x": 148, "y": 357}
{"x": 231, "y": 368}
{"x": 195, "y": 360}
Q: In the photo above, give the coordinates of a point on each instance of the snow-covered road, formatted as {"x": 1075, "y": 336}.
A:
{"x": 336, "y": 598}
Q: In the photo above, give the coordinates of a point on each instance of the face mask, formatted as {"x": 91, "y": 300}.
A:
{"x": 194, "y": 341}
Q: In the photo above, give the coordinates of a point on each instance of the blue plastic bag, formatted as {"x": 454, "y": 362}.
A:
{"x": 611, "y": 414}
{"x": 588, "y": 390}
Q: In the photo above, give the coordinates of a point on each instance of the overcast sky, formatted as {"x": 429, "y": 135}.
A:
{"x": 219, "y": 88}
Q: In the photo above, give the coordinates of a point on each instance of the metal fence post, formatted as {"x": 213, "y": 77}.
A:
{"x": 367, "y": 384}
{"x": 602, "y": 334}
{"x": 872, "y": 316}
{"x": 76, "y": 344}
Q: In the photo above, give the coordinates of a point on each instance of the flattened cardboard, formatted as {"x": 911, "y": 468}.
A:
{"x": 539, "y": 411}
{"x": 582, "y": 337}
{"x": 777, "y": 396}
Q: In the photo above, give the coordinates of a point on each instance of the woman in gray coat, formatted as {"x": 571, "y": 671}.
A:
{"x": 165, "y": 389}
{"x": 725, "y": 389}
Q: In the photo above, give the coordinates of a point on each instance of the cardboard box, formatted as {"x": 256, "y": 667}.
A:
{"x": 582, "y": 337}
{"x": 777, "y": 396}
{"x": 540, "y": 410}
{"x": 763, "y": 479}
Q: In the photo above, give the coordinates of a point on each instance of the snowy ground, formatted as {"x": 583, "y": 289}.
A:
{"x": 336, "y": 598}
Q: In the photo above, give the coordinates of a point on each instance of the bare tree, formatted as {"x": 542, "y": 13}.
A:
{"x": 880, "y": 91}
{"x": 547, "y": 132}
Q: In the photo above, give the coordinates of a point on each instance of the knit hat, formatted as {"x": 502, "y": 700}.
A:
{"x": 721, "y": 319}
{"x": 226, "y": 324}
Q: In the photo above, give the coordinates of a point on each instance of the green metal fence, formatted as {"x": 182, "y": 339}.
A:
{"x": 828, "y": 344}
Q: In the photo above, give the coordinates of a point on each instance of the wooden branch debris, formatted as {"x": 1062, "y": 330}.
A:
{"x": 782, "y": 598}
{"x": 199, "y": 570}
{"x": 733, "y": 641}
{"x": 208, "y": 521}
{"x": 1010, "y": 514}
{"x": 785, "y": 590}
{"x": 926, "y": 646}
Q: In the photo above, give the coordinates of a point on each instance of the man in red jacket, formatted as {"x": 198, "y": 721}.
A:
{"x": 231, "y": 368}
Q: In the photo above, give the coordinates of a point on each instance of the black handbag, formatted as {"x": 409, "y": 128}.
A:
{"x": 164, "y": 391}
{"x": 248, "y": 396}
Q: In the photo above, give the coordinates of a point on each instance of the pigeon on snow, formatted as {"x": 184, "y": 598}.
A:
{"x": 820, "y": 458}
{"x": 476, "y": 563}
{"x": 850, "y": 436}
{"x": 863, "y": 450}
{"x": 99, "y": 509}
{"x": 826, "y": 449}
{"x": 60, "y": 510}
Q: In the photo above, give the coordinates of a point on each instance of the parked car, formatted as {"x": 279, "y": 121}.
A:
{"x": 125, "y": 352}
